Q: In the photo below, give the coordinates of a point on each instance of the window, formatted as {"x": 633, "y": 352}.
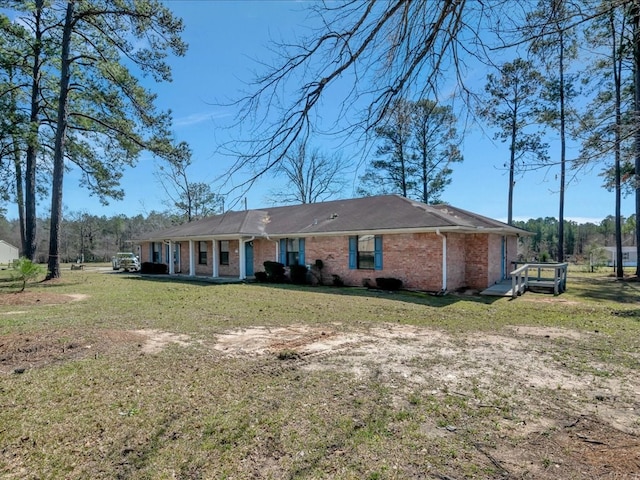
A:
{"x": 202, "y": 253}
{"x": 292, "y": 251}
{"x": 365, "y": 252}
{"x": 155, "y": 252}
{"x": 224, "y": 252}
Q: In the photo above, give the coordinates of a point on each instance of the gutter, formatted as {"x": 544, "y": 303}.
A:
{"x": 444, "y": 261}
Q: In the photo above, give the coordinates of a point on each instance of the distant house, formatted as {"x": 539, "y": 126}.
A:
{"x": 629, "y": 256}
{"x": 8, "y": 253}
{"x": 428, "y": 247}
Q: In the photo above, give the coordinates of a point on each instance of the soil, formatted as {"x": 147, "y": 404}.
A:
{"x": 591, "y": 429}
{"x": 38, "y": 298}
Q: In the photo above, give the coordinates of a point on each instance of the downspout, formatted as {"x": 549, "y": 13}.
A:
{"x": 444, "y": 261}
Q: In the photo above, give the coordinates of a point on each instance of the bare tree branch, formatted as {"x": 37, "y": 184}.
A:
{"x": 367, "y": 54}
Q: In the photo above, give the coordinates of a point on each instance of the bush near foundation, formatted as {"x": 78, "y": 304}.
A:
{"x": 388, "y": 283}
{"x": 275, "y": 271}
{"x": 298, "y": 274}
{"x": 154, "y": 268}
{"x": 261, "y": 277}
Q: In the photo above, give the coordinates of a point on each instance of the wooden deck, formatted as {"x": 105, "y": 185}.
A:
{"x": 534, "y": 277}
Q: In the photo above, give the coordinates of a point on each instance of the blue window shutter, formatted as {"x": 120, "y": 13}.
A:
{"x": 353, "y": 253}
{"x": 283, "y": 251}
{"x": 377, "y": 255}
{"x": 301, "y": 251}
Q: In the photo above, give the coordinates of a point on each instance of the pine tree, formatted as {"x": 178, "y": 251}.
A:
{"x": 104, "y": 117}
{"x": 511, "y": 107}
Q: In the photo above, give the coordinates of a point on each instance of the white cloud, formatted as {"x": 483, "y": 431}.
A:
{"x": 196, "y": 118}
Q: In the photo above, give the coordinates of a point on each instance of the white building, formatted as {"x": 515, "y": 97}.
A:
{"x": 629, "y": 256}
{"x": 8, "y": 253}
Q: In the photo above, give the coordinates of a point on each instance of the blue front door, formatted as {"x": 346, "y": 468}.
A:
{"x": 248, "y": 255}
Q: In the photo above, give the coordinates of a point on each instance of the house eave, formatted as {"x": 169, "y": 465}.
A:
{"x": 341, "y": 233}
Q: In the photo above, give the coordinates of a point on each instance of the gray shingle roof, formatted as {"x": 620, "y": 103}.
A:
{"x": 390, "y": 213}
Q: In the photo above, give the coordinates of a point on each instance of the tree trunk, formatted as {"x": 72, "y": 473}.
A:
{"x": 30, "y": 218}
{"x": 512, "y": 168}
{"x": 20, "y": 197}
{"x": 19, "y": 180}
{"x": 617, "y": 66}
{"x": 59, "y": 148}
{"x": 563, "y": 150}
{"x": 636, "y": 121}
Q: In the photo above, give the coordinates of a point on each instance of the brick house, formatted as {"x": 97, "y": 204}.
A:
{"x": 428, "y": 247}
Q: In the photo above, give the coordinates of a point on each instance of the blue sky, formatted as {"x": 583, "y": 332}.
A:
{"x": 225, "y": 38}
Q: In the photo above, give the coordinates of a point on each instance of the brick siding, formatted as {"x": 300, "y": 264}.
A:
{"x": 473, "y": 260}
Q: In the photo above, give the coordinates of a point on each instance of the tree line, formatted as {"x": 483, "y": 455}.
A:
{"x": 91, "y": 238}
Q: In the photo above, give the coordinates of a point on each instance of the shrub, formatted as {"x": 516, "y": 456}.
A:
{"x": 26, "y": 270}
{"x": 288, "y": 355}
{"x": 151, "y": 268}
{"x": 298, "y": 274}
{"x": 316, "y": 270}
{"x": 261, "y": 277}
{"x": 597, "y": 257}
{"x": 337, "y": 281}
{"x": 275, "y": 271}
{"x": 388, "y": 283}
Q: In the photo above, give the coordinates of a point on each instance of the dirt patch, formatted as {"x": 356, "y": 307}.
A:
{"x": 39, "y": 298}
{"x": 571, "y": 420}
{"x": 263, "y": 340}
{"x": 154, "y": 341}
{"x": 23, "y": 351}
{"x": 586, "y": 445}
{"x": 554, "y": 420}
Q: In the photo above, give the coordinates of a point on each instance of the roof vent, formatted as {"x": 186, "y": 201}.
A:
{"x": 334, "y": 216}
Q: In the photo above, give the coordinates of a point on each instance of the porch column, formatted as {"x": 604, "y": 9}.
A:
{"x": 172, "y": 268}
{"x": 243, "y": 260}
{"x": 192, "y": 260}
{"x": 214, "y": 257}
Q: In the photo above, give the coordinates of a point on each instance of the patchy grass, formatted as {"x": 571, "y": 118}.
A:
{"x": 111, "y": 375}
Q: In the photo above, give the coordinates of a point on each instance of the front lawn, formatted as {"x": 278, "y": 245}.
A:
{"x": 108, "y": 375}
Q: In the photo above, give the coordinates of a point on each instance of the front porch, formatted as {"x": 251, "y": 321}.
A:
{"x": 216, "y": 259}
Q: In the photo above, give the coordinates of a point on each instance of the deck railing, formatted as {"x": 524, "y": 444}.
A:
{"x": 537, "y": 275}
